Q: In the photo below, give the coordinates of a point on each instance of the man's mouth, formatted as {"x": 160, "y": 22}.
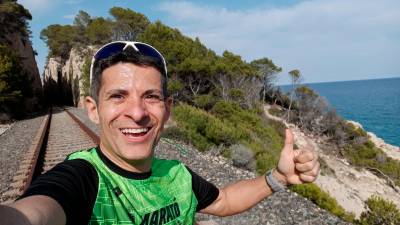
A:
{"x": 135, "y": 132}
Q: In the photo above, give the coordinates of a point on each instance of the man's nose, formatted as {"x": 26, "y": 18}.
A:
{"x": 136, "y": 109}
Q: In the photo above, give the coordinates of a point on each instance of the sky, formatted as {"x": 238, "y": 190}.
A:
{"x": 327, "y": 40}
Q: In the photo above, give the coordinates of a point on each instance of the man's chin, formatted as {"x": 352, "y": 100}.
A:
{"x": 137, "y": 152}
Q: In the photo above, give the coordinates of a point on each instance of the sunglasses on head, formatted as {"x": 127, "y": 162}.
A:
{"x": 116, "y": 47}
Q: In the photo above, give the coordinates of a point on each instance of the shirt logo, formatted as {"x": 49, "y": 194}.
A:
{"x": 162, "y": 216}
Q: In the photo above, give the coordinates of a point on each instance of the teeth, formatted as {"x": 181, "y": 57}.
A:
{"x": 134, "y": 131}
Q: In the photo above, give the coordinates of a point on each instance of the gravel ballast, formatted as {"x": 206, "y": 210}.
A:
{"x": 13, "y": 143}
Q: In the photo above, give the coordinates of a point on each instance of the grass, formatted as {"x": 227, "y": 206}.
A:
{"x": 312, "y": 192}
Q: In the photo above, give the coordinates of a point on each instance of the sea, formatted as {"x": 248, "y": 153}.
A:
{"x": 373, "y": 103}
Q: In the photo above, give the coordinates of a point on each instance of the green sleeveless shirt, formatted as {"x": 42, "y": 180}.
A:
{"x": 166, "y": 197}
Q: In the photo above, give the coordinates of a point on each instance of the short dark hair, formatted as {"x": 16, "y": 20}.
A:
{"x": 129, "y": 55}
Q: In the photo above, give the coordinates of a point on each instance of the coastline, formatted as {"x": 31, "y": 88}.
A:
{"x": 350, "y": 186}
{"x": 390, "y": 150}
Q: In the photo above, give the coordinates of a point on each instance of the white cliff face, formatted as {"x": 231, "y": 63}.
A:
{"x": 69, "y": 72}
{"x": 73, "y": 71}
{"x": 51, "y": 69}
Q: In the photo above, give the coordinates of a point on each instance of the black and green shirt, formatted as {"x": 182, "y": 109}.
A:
{"x": 93, "y": 190}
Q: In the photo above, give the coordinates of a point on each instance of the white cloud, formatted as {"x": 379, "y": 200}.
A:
{"x": 38, "y": 6}
{"x": 326, "y": 40}
{"x": 69, "y": 17}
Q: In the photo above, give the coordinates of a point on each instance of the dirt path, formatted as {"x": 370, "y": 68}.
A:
{"x": 349, "y": 186}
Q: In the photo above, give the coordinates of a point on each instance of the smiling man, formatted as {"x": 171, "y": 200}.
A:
{"x": 120, "y": 181}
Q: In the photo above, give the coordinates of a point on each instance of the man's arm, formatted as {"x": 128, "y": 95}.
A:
{"x": 238, "y": 197}
{"x": 33, "y": 210}
{"x": 67, "y": 192}
{"x": 294, "y": 167}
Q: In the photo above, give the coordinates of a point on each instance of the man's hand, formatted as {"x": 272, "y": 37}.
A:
{"x": 296, "y": 166}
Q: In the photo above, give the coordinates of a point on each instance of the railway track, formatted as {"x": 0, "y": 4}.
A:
{"x": 60, "y": 134}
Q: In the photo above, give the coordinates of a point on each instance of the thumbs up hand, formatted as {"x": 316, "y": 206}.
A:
{"x": 296, "y": 166}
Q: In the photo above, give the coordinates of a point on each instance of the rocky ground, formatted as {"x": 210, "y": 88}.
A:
{"x": 14, "y": 141}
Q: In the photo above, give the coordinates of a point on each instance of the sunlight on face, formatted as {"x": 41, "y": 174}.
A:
{"x": 132, "y": 112}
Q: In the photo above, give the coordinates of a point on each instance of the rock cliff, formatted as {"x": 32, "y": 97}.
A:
{"x": 64, "y": 78}
{"x": 23, "y": 47}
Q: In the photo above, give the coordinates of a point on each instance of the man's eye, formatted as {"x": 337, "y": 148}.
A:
{"x": 154, "y": 97}
{"x": 116, "y": 96}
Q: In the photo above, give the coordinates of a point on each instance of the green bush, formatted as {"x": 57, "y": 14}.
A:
{"x": 175, "y": 133}
{"x": 15, "y": 84}
{"x": 86, "y": 77}
{"x": 204, "y": 101}
{"x": 322, "y": 199}
{"x": 229, "y": 124}
{"x": 367, "y": 155}
{"x": 264, "y": 137}
{"x": 174, "y": 87}
{"x": 380, "y": 212}
{"x": 203, "y": 129}
{"x": 236, "y": 94}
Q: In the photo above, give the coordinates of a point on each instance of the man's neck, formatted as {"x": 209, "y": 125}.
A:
{"x": 136, "y": 166}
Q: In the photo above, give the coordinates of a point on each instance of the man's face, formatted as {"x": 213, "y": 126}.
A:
{"x": 131, "y": 111}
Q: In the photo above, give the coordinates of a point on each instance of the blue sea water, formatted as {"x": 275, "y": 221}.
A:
{"x": 373, "y": 103}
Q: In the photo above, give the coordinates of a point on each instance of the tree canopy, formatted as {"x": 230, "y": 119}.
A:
{"x": 14, "y": 82}
{"x": 13, "y": 17}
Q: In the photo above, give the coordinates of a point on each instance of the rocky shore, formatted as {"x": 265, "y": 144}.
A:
{"x": 349, "y": 185}
{"x": 391, "y": 150}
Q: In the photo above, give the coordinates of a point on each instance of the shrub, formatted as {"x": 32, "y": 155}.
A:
{"x": 266, "y": 161}
{"x": 174, "y": 133}
{"x": 204, "y": 101}
{"x": 203, "y": 129}
{"x": 86, "y": 77}
{"x": 380, "y": 212}
{"x": 236, "y": 94}
{"x": 322, "y": 199}
{"x": 242, "y": 156}
{"x": 256, "y": 132}
{"x": 174, "y": 87}
{"x": 367, "y": 155}
{"x": 15, "y": 84}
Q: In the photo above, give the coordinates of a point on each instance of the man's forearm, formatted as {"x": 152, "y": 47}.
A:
{"x": 238, "y": 197}
{"x": 33, "y": 210}
{"x": 11, "y": 216}
{"x": 244, "y": 194}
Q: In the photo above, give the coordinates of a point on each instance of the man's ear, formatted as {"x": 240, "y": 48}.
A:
{"x": 91, "y": 107}
{"x": 168, "y": 106}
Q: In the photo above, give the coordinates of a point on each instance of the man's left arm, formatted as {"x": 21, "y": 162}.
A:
{"x": 294, "y": 167}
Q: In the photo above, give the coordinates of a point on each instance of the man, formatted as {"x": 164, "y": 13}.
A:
{"x": 120, "y": 182}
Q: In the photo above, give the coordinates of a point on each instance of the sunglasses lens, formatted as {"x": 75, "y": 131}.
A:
{"x": 109, "y": 50}
{"x": 148, "y": 51}
{"x": 118, "y": 47}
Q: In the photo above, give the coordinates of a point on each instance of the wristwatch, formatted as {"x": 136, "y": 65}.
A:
{"x": 273, "y": 183}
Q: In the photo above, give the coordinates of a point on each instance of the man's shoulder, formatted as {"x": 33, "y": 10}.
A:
{"x": 168, "y": 165}
{"x": 86, "y": 154}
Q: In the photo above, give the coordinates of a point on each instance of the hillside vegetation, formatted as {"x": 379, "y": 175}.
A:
{"x": 15, "y": 84}
{"x": 218, "y": 99}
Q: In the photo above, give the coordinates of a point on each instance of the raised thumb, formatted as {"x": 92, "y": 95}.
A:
{"x": 289, "y": 141}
